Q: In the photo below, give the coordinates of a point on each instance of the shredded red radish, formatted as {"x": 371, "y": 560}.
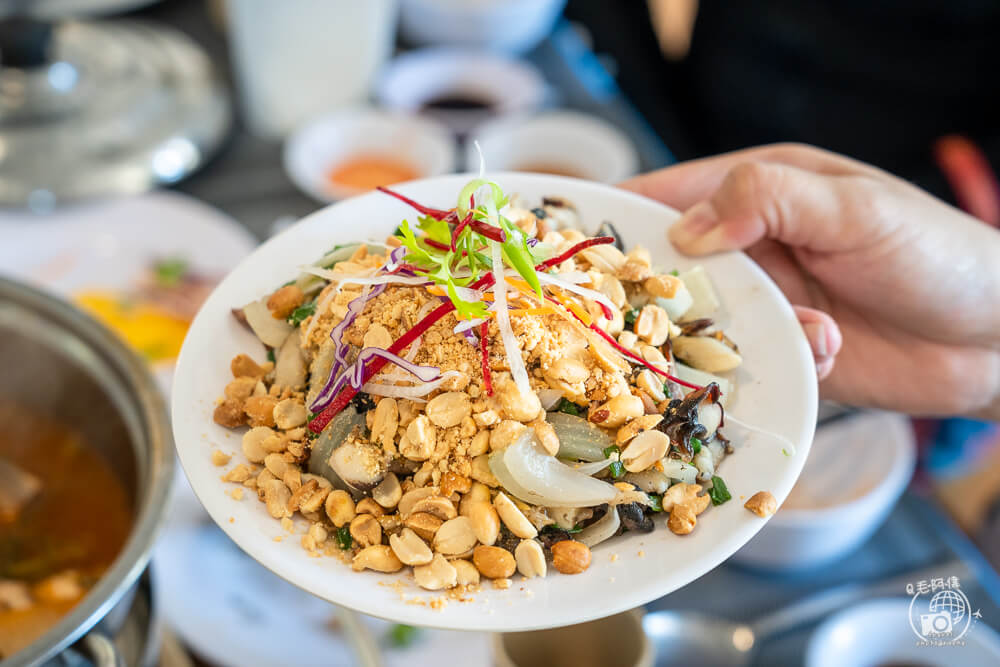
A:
{"x": 608, "y": 337}
{"x": 436, "y": 213}
{"x": 437, "y": 245}
{"x": 484, "y": 330}
{"x": 458, "y": 229}
{"x": 582, "y": 245}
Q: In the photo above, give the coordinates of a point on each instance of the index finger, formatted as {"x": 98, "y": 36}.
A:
{"x": 685, "y": 184}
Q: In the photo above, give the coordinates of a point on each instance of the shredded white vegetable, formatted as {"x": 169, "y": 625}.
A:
{"x": 576, "y": 289}
{"x": 513, "y": 352}
{"x": 412, "y": 393}
{"x": 361, "y": 279}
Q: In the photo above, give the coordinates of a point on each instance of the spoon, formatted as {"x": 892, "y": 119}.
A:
{"x": 688, "y": 637}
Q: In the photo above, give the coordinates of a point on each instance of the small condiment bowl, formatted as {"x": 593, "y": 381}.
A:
{"x": 312, "y": 151}
{"x": 614, "y": 640}
{"x": 564, "y": 142}
{"x": 857, "y": 469}
{"x": 419, "y": 81}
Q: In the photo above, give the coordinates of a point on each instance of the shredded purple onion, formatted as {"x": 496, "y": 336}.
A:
{"x": 471, "y": 337}
{"x": 532, "y": 241}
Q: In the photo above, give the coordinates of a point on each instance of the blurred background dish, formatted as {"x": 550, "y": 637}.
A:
{"x": 292, "y": 66}
{"x": 876, "y": 633}
{"x": 507, "y": 26}
{"x": 352, "y": 151}
{"x": 858, "y": 468}
{"x": 460, "y": 87}
{"x": 568, "y": 143}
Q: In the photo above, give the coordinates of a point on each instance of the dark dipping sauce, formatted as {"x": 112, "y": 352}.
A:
{"x": 456, "y": 103}
{"x": 61, "y": 542}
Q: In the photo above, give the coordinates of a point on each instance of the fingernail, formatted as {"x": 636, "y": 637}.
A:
{"x": 695, "y": 222}
{"x": 816, "y": 335}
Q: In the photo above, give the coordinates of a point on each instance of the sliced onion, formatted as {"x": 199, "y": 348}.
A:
{"x": 289, "y": 364}
{"x": 575, "y": 277}
{"x": 513, "y": 352}
{"x": 600, "y": 530}
{"x": 545, "y": 480}
{"x": 358, "y": 279}
{"x": 270, "y": 330}
{"x": 468, "y": 325}
{"x": 411, "y": 392}
{"x": 549, "y": 398}
{"x": 591, "y": 468}
{"x": 593, "y": 295}
{"x": 677, "y": 469}
{"x": 579, "y": 440}
{"x": 787, "y": 445}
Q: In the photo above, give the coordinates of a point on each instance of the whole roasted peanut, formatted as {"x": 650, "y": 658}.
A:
{"x": 409, "y": 548}
{"x": 680, "y": 494}
{"x": 369, "y": 506}
{"x": 436, "y": 575}
{"x": 568, "y": 370}
{"x": 651, "y": 384}
{"x": 493, "y": 562}
{"x": 284, "y": 300}
{"x": 260, "y": 410}
{"x": 635, "y": 427}
{"x": 530, "y": 559}
{"x": 340, "y": 508}
{"x": 448, "y": 409}
{"x": 423, "y": 524}
{"x": 570, "y": 556}
{"x": 240, "y": 388}
{"x": 663, "y": 285}
{"x": 277, "y": 464}
{"x": 617, "y": 411}
{"x": 377, "y": 336}
{"x": 514, "y": 404}
{"x": 513, "y": 517}
{"x": 314, "y": 501}
{"x": 480, "y": 471}
{"x": 682, "y": 519}
{"x": 438, "y": 506}
{"x": 762, "y": 503}
{"x": 480, "y": 443}
{"x": 276, "y": 496}
{"x": 384, "y": 423}
{"x": 421, "y": 437}
{"x": 243, "y": 366}
{"x": 410, "y": 498}
{"x": 366, "y": 530}
{"x": 303, "y": 492}
{"x": 506, "y": 433}
{"x": 253, "y": 447}
{"x": 546, "y": 435}
{"x": 229, "y": 413}
{"x": 455, "y": 536}
{"x": 485, "y": 522}
{"x": 378, "y": 557}
{"x": 289, "y": 414}
{"x": 388, "y": 492}
{"x": 467, "y": 574}
{"x": 644, "y": 450}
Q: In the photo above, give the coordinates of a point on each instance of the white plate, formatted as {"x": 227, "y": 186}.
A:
{"x": 777, "y": 392}
{"x": 321, "y": 144}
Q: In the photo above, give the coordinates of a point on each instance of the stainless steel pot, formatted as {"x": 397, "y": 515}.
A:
{"x": 62, "y": 363}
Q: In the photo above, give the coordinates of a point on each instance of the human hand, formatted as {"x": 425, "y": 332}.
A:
{"x": 911, "y": 283}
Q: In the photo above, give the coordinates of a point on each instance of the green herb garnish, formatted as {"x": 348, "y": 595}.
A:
{"x": 675, "y": 273}
{"x": 556, "y": 528}
{"x": 630, "y": 317}
{"x": 301, "y": 313}
{"x": 655, "y": 502}
{"x": 270, "y": 355}
{"x": 169, "y": 272}
{"x": 568, "y": 407}
{"x": 617, "y": 469}
{"x": 718, "y": 493}
{"x": 695, "y": 445}
{"x": 609, "y": 451}
{"x": 343, "y": 537}
{"x": 401, "y": 636}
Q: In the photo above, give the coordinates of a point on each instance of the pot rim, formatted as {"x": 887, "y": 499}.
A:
{"x": 131, "y": 387}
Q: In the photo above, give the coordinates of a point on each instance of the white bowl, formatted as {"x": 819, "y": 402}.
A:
{"x": 589, "y": 147}
{"x": 311, "y": 151}
{"x": 858, "y": 468}
{"x": 879, "y": 633}
{"x": 778, "y": 392}
{"x": 505, "y": 86}
{"x": 508, "y": 26}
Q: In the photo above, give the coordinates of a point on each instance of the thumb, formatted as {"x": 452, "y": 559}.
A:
{"x": 759, "y": 200}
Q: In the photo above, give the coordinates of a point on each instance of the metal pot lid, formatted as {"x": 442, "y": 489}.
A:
{"x": 116, "y": 108}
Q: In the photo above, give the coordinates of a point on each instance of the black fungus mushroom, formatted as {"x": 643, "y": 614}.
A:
{"x": 681, "y": 419}
{"x": 607, "y": 229}
{"x": 634, "y": 518}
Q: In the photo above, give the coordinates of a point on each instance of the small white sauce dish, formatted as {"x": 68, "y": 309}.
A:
{"x": 414, "y": 81}
{"x": 319, "y": 146}
{"x": 565, "y": 142}
{"x": 507, "y": 26}
{"x": 878, "y": 633}
{"x": 857, "y": 469}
